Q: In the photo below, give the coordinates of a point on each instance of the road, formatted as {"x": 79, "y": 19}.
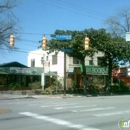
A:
{"x": 58, "y": 113}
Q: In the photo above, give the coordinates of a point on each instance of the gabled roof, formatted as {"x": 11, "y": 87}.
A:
{"x": 13, "y": 64}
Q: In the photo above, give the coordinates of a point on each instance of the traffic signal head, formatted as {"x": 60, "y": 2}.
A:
{"x": 12, "y": 37}
{"x": 87, "y": 43}
{"x": 44, "y": 42}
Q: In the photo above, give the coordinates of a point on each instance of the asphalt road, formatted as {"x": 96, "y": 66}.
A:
{"x": 58, "y": 113}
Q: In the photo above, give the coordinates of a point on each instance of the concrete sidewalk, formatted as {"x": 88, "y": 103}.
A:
{"x": 11, "y": 97}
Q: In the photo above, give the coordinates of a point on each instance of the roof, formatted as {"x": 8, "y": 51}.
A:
{"x": 13, "y": 64}
{"x": 50, "y": 74}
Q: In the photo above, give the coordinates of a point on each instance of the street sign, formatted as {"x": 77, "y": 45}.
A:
{"x": 63, "y": 37}
{"x": 67, "y": 50}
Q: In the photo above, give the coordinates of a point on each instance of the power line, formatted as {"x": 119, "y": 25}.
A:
{"x": 70, "y": 10}
{"x": 83, "y": 9}
{"x": 34, "y": 33}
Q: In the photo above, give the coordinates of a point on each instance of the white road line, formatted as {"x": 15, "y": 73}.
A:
{"x": 63, "y": 104}
{"x": 93, "y": 109}
{"x": 59, "y": 108}
{"x": 50, "y": 103}
{"x": 33, "y": 105}
{"x": 57, "y": 121}
{"x": 112, "y": 113}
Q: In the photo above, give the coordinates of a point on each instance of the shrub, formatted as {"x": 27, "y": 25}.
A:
{"x": 48, "y": 91}
{"x": 120, "y": 88}
{"x": 36, "y": 85}
{"x": 14, "y": 86}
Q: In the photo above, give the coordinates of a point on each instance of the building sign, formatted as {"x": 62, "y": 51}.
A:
{"x": 96, "y": 70}
{"x": 19, "y": 70}
{"x": 46, "y": 66}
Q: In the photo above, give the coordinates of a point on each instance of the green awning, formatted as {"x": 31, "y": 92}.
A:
{"x": 21, "y": 71}
{"x": 50, "y": 74}
{"x": 95, "y": 70}
{"x": 25, "y": 71}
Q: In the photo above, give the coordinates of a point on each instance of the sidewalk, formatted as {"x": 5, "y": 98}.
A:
{"x": 11, "y": 97}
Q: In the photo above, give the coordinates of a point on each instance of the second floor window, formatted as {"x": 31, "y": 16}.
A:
{"x": 47, "y": 58}
{"x": 54, "y": 59}
{"x": 100, "y": 60}
{"x": 90, "y": 62}
{"x": 76, "y": 61}
{"x": 32, "y": 62}
{"x": 42, "y": 60}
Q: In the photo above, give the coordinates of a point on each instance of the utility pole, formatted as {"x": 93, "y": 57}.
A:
{"x": 64, "y": 73}
{"x": 44, "y": 45}
{"x": 43, "y": 75}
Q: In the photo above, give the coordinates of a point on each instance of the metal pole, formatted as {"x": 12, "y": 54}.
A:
{"x": 64, "y": 73}
{"x": 43, "y": 75}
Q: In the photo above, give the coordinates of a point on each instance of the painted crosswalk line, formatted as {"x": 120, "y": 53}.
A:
{"x": 112, "y": 113}
{"x": 69, "y": 107}
{"x": 57, "y": 121}
{"x": 93, "y": 109}
{"x": 54, "y": 105}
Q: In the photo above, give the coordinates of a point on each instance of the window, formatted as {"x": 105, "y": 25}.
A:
{"x": 54, "y": 59}
{"x": 32, "y": 62}
{"x": 76, "y": 61}
{"x": 47, "y": 58}
{"x": 90, "y": 62}
{"x": 42, "y": 60}
{"x": 99, "y": 60}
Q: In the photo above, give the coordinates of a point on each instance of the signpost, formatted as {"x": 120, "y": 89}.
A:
{"x": 64, "y": 38}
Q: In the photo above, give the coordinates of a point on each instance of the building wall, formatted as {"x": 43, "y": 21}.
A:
{"x": 59, "y": 67}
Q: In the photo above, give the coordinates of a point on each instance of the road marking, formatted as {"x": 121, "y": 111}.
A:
{"x": 93, "y": 109}
{"x": 57, "y": 121}
{"x": 53, "y": 105}
{"x": 112, "y": 113}
{"x": 33, "y": 105}
{"x": 59, "y": 108}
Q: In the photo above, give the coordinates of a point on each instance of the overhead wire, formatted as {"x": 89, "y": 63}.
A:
{"x": 74, "y": 11}
{"x": 81, "y": 8}
{"x": 62, "y": 3}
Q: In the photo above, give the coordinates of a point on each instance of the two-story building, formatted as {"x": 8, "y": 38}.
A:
{"x": 55, "y": 63}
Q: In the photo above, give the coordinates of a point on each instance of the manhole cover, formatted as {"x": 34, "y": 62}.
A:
{"x": 3, "y": 110}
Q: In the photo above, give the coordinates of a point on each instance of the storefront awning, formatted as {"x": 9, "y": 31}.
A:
{"x": 51, "y": 74}
{"x": 21, "y": 71}
{"x": 95, "y": 70}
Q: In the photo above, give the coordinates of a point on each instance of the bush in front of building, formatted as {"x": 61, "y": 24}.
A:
{"x": 96, "y": 87}
{"x": 120, "y": 88}
{"x": 54, "y": 88}
{"x": 47, "y": 91}
{"x": 36, "y": 85}
{"x": 14, "y": 86}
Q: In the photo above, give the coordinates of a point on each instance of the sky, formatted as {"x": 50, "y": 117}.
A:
{"x": 37, "y": 18}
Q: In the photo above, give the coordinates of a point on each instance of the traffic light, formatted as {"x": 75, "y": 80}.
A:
{"x": 12, "y": 37}
{"x": 87, "y": 43}
{"x": 44, "y": 42}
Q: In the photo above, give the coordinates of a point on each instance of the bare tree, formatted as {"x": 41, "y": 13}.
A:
{"x": 119, "y": 24}
{"x": 7, "y": 21}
